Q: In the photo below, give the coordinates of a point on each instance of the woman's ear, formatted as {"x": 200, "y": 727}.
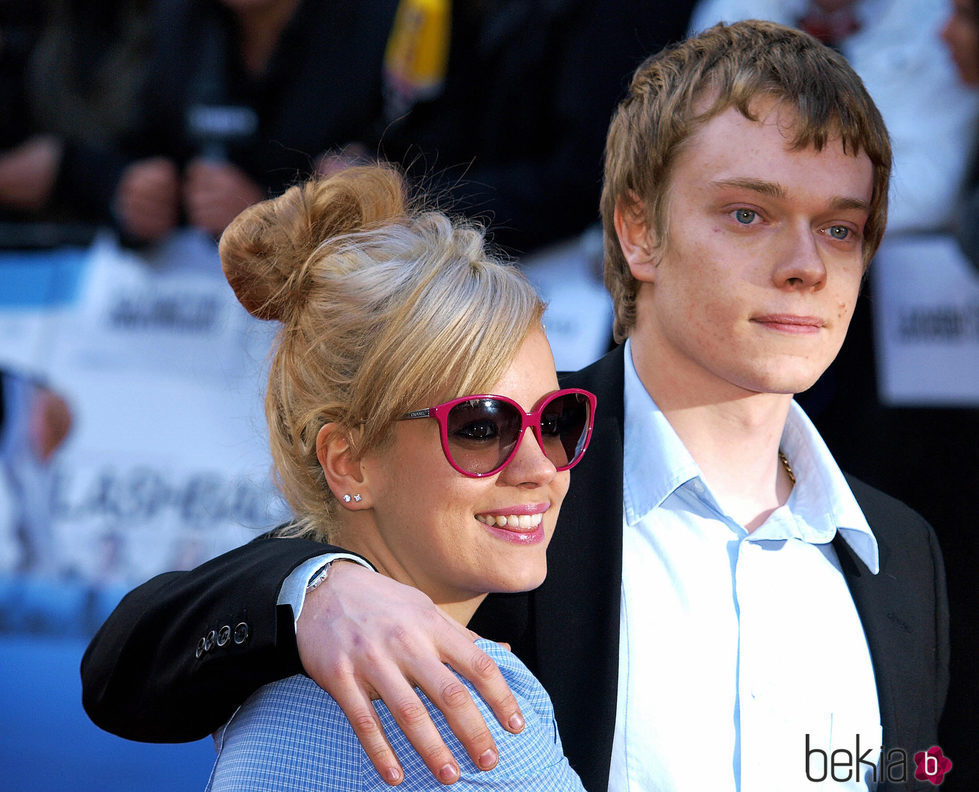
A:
{"x": 637, "y": 238}
{"x": 341, "y": 466}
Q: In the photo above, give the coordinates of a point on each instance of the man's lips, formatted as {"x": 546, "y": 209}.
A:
{"x": 791, "y": 323}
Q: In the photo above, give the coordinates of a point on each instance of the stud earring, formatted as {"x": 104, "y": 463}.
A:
{"x": 357, "y": 498}
{"x": 346, "y": 498}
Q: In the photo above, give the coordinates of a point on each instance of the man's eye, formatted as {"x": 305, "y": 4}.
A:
{"x": 745, "y": 216}
{"x": 840, "y": 232}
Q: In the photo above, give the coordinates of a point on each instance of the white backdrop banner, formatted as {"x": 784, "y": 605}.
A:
{"x": 926, "y": 323}
{"x": 166, "y": 462}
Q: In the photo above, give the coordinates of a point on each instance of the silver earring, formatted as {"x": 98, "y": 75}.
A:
{"x": 346, "y": 498}
{"x": 358, "y": 498}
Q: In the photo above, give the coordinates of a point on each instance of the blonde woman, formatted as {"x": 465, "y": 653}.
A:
{"x": 409, "y": 368}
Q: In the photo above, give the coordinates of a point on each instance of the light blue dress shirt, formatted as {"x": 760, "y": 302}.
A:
{"x": 742, "y": 658}
{"x": 291, "y": 736}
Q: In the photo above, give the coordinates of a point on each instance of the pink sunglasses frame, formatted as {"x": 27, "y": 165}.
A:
{"x": 531, "y": 420}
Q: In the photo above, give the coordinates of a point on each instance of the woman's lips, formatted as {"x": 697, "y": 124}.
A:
{"x": 517, "y": 524}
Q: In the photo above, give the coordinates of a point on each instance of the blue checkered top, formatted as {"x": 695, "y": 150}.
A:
{"x": 291, "y": 736}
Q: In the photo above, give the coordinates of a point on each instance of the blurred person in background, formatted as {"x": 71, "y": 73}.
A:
{"x": 72, "y": 73}
{"x": 512, "y": 126}
{"x": 241, "y": 96}
{"x": 35, "y": 421}
{"x": 961, "y": 36}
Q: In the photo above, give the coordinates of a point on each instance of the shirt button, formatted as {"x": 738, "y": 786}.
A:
{"x": 224, "y": 635}
{"x": 209, "y": 641}
{"x": 200, "y": 648}
{"x": 241, "y": 633}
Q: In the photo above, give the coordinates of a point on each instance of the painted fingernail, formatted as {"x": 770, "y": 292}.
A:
{"x": 448, "y": 774}
{"x": 487, "y": 759}
{"x": 516, "y": 722}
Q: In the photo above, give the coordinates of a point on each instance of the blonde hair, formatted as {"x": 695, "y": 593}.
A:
{"x": 677, "y": 90}
{"x": 384, "y": 308}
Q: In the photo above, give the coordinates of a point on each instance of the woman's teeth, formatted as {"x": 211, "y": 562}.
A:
{"x": 515, "y": 521}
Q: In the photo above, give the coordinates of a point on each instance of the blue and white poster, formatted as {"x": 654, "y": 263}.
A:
{"x": 132, "y": 442}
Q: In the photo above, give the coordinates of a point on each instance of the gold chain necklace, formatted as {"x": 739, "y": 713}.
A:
{"x": 786, "y": 465}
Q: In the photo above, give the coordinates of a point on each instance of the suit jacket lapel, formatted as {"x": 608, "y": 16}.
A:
{"x": 884, "y": 630}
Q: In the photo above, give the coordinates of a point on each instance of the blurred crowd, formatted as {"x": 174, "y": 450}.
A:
{"x": 147, "y": 116}
{"x": 150, "y": 114}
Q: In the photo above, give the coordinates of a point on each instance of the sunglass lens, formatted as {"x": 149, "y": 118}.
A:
{"x": 482, "y": 433}
{"x": 563, "y": 425}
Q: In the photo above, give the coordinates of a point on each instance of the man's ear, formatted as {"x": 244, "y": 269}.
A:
{"x": 637, "y": 237}
{"x": 341, "y": 466}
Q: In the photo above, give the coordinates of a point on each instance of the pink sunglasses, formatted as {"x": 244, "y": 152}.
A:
{"x": 481, "y": 434}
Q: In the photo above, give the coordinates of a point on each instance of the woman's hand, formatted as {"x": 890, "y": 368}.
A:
{"x": 363, "y": 636}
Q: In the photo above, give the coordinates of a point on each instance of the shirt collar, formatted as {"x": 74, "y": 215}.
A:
{"x": 821, "y": 497}
{"x": 656, "y": 463}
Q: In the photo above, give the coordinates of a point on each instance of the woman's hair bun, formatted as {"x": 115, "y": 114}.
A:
{"x": 266, "y": 250}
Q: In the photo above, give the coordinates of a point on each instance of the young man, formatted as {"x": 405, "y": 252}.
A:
{"x": 723, "y": 608}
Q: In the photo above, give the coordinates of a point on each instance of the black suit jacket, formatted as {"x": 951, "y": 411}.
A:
{"x": 143, "y": 678}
